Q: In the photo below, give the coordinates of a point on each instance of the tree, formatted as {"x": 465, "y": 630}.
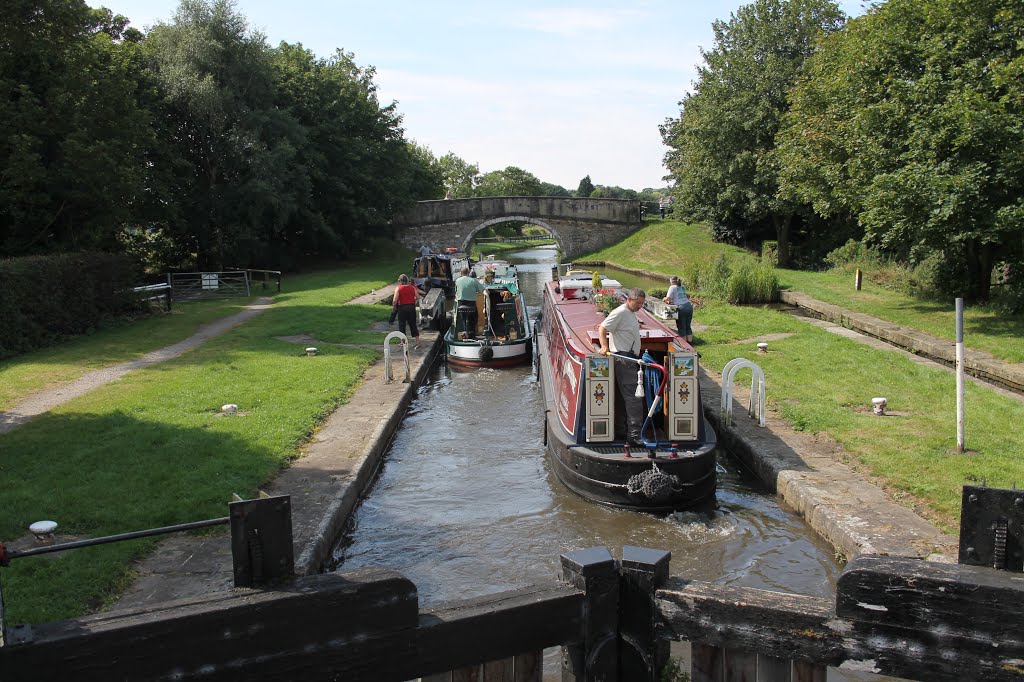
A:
{"x": 72, "y": 132}
{"x": 548, "y": 189}
{"x": 585, "y": 188}
{"x": 460, "y": 177}
{"x": 510, "y": 182}
{"x": 721, "y": 146}
{"x": 910, "y": 121}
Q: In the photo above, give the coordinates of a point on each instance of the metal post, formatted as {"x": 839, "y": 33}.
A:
{"x": 642, "y": 654}
{"x": 959, "y": 375}
{"x": 595, "y": 658}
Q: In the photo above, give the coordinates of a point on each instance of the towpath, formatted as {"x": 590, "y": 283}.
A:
{"x": 49, "y": 398}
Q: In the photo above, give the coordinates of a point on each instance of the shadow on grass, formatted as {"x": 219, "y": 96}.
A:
{"x": 100, "y": 475}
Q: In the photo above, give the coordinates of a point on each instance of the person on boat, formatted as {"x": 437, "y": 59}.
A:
{"x": 425, "y": 250}
{"x": 404, "y": 301}
{"x": 619, "y": 334}
{"x": 676, "y": 296}
{"x": 466, "y": 289}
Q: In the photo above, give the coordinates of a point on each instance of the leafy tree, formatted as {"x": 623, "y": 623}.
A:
{"x": 585, "y": 188}
{"x": 72, "y": 132}
{"x": 910, "y": 121}
{"x": 460, "y": 177}
{"x": 510, "y": 182}
{"x": 721, "y": 146}
{"x": 548, "y": 189}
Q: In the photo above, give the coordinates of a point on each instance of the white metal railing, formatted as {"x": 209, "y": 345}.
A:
{"x": 404, "y": 342}
{"x": 757, "y": 389}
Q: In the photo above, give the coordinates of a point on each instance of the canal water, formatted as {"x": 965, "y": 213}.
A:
{"x": 465, "y": 503}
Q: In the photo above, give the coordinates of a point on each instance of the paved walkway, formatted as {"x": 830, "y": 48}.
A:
{"x": 49, "y": 398}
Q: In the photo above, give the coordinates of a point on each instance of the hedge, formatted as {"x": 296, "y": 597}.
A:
{"x": 47, "y": 299}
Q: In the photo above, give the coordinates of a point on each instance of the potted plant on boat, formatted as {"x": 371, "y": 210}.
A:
{"x": 606, "y": 300}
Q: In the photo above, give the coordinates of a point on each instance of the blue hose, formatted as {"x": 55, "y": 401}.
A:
{"x": 652, "y": 398}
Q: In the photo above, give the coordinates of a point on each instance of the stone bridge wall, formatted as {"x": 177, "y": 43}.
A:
{"x": 579, "y": 225}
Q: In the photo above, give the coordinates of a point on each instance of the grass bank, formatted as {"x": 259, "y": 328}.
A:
{"x": 26, "y": 374}
{"x": 823, "y": 384}
{"x": 153, "y": 449}
{"x": 984, "y": 328}
{"x": 487, "y": 248}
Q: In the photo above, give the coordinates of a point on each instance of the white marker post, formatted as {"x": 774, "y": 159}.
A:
{"x": 960, "y": 375}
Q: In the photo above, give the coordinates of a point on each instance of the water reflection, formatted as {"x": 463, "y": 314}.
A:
{"x": 466, "y": 505}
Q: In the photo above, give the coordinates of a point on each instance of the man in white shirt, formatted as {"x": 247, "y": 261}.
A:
{"x": 620, "y": 334}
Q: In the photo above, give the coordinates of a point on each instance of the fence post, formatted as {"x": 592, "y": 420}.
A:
{"x": 642, "y": 654}
{"x": 595, "y": 658}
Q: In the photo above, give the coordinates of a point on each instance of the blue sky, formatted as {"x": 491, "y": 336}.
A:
{"x": 561, "y": 90}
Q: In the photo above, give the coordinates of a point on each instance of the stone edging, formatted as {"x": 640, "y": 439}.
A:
{"x": 978, "y": 363}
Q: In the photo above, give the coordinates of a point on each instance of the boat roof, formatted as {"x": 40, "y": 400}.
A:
{"x": 580, "y": 319}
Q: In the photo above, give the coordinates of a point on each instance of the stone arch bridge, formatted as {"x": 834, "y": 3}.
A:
{"x": 579, "y": 225}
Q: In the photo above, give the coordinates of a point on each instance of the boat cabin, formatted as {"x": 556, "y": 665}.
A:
{"x": 439, "y": 270}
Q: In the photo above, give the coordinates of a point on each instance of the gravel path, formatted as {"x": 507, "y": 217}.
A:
{"x": 49, "y": 398}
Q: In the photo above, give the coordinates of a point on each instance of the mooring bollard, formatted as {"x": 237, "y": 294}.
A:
{"x": 878, "y": 406}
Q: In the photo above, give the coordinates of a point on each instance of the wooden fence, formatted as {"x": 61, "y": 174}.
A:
{"x": 614, "y": 620}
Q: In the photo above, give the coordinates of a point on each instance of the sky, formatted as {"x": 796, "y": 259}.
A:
{"x": 559, "y": 89}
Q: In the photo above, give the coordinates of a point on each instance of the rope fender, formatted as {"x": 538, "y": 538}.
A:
{"x": 654, "y": 484}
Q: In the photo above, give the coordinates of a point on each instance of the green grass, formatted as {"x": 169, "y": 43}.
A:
{"x": 984, "y": 329}
{"x": 487, "y": 248}
{"x": 823, "y": 383}
{"x": 32, "y": 372}
{"x": 153, "y": 449}
{"x": 667, "y": 246}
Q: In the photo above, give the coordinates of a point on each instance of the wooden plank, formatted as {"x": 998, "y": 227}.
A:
{"x": 808, "y": 672}
{"x": 740, "y": 666}
{"x": 707, "y": 663}
{"x": 925, "y": 594}
{"x": 470, "y": 673}
{"x": 355, "y": 626}
{"x": 529, "y": 667}
{"x": 498, "y": 671}
{"x": 493, "y": 627}
{"x": 772, "y": 669}
{"x": 267, "y": 634}
{"x": 805, "y": 629}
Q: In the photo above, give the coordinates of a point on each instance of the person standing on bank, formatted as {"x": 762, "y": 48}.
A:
{"x": 404, "y": 302}
{"x": 466, "y": 289}
{"x": 676, "y": 296}
{"x": 619, "y": 333}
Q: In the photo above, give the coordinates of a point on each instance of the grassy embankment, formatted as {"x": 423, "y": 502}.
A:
{"x": 153, "y": 449}
{"x": 480, "y": 249}
{"x": 823, "y": 384}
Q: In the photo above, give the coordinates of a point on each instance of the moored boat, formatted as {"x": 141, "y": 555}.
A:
{"x": 503, "y": 334}
{"x": 676, "y": 466}
{"x": 439, "y": 270}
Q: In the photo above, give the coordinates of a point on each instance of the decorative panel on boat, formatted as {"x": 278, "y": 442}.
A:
{"x": 682, "y": 399}
{"x": 599, "y": 373}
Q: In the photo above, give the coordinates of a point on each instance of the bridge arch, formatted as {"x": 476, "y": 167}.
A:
{"x": 464, "y": 246}
{"x": 579, "y": 225}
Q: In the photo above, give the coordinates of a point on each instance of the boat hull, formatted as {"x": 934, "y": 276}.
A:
{"x": 503, "y": 354}
{"x": 663, "y": 484}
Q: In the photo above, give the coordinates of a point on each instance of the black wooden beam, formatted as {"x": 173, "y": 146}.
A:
{"x": 807, "y": 629}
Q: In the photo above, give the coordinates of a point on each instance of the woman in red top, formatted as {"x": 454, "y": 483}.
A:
{"x": 404, "y": 301}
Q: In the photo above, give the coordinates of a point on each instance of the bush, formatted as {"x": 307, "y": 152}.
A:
{"x": 711, "y": 276}
{"x": 657, "y": 293}
{"x": 770, "y": 253}
{"x": 753, "y": 284}
{"x": 47, "y": 299}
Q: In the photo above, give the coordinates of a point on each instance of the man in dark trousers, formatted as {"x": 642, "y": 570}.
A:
{"x": 620, "y": 334}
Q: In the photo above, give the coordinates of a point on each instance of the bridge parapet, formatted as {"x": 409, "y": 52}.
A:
{"x": 579, "y": 225}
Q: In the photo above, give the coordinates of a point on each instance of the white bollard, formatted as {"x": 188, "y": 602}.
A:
{"x": 43, "y": 530}
{"x": 311, "y": 351}
{"x": 762, "y": 347}
{"x": 878, "y": 406}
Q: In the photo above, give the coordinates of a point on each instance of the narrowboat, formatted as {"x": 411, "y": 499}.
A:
{"x": 676, "y": 467}
{"x": 502, "y": 335}
{"x": 439, "y": 270}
